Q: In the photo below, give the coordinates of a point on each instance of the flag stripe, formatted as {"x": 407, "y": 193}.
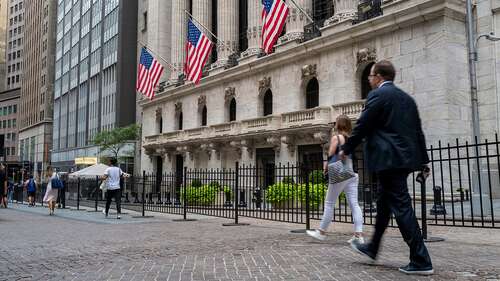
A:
{"x": 272, "y": 22}
{"x": 148, "y": 74}
{"x": 198, "y": 48}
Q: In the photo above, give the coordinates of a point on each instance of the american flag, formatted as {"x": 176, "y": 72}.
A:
{"x": 274, "y": 14}
{"x": 198, "y": 48}
{"x": 149, "y": 74}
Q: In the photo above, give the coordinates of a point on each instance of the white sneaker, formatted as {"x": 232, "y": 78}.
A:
{"x": 104, "y": 212}
{"x": 316, "y": 234}
{"x": 359, "y": 240}
{"x": 118, "y": 217}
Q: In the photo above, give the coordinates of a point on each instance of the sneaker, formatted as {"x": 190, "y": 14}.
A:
{"x": 363, "y": 249}
{"x": 118, "y": 217}
{"x": 413, "y": 270}
{"x": 316, "y": 234}
{"x": 104, "y": 212}
{"x": 360, "y": 240}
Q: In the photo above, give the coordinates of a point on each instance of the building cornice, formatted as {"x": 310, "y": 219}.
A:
{"x": 399, "y": 14}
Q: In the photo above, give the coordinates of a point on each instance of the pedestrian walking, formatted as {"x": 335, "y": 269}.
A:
{"x": 349, "y": 187}
{"x": 394, "y": 147}
{"x": 51, "y": 193}
{"x": 3, "y": 186}
{"x": 30, "y": 186}
{"x": 10, "y": 191}
{"x": 112, "y": 177}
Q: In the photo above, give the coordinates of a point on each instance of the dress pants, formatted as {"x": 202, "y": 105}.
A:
{"x": 393, "y": 197}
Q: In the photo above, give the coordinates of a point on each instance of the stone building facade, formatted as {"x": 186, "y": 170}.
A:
{"x": 278, "y": 108}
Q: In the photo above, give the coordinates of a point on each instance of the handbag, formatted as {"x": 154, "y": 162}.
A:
{"x": 104, "y": 186}
{"x": 340, "y": 171}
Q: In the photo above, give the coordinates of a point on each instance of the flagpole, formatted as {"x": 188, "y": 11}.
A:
{"x": 156, "y": 54}
{"x": 208, "y": 30}
{"x": 304, "y": 12}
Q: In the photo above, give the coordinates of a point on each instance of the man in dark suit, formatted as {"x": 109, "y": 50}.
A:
{"x": 395, "y": 147}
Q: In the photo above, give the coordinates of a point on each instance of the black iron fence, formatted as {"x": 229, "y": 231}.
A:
{"x": 463, "y": 189}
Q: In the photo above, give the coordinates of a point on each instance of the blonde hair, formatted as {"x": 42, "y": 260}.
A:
{"x": 343, "y": 125}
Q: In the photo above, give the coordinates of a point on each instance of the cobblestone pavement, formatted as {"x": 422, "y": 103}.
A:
{"x": 80, "y": 245}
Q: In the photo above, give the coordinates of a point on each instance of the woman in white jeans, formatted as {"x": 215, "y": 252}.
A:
{"x": 350, "y": 187}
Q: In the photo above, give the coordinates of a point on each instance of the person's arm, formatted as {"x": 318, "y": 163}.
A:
{"x": 365, "y": 123}
{"x": 421, "y": 140}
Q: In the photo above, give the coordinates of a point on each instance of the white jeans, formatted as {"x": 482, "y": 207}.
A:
{"x": 350, "y": 187}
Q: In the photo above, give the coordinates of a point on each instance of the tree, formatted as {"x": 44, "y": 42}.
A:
{"x": 114, "y": 140}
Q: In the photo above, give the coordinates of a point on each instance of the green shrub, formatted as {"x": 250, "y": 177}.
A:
{"x": 317, "y": 194}
{"x": 288, "y": 180}
{"x": 215, "y": 184}
{"x": 196, "y": 183}
{"x": 203, "y": 195}
{"x": 281, "y": 192}
{"x": 317, "y": 177}
{"x": 227, "y": 192}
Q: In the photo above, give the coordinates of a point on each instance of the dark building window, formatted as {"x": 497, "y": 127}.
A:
{"x": 232, "y": 110}
{"x": 204, "y": 116}
{"x": 160, "y": 125}
{"x": 312, "y": 93}
{"x": 322, "y": 10}
{"x": 214, "y": 30}
{"x": 145, "y": 19}
{"x": 268, "y": 103}
{"x": 243, "y": 26}
{"x": 365, "y": 84}
{"x": 179, "y": 122}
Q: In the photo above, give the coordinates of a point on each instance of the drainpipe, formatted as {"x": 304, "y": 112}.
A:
{"x": 472, "y": 71}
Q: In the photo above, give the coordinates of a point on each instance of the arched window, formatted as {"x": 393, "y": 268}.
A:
{"x": 365, "y": 85}
{"x": 312, "y": 93}
{"x": 268, "y": 103}
{"x": 179, "y": 121}
{"x": 232, "y": 110}
{"x": 204, "y": 116}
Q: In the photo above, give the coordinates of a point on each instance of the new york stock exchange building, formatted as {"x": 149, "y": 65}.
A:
{"x": 262, "y": 110}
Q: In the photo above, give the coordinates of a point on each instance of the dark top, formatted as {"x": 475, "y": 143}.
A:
{"x": 3, "y": 178}
{"x": 391, "y": 125}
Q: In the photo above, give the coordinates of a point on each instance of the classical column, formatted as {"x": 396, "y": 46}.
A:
{"x": 227, "y": 30}
{"x": 159, "y": 31}
{"x": 296, "y": 21}
{"x": 343, "y": 10}
{"x": 179, "y": 34}
{"x": 202, "y": 12}
{"x": 254, "y": 31}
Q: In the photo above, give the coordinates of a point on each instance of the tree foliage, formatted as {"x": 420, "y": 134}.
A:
{"x": 114, "y": 140}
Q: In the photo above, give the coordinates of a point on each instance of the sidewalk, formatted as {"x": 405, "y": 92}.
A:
{"x": 80, "y": 245}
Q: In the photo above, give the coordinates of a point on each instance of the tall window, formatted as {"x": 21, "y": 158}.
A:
{"x": 243, "y": 18}
{"x": 232, "y": 110}
{"x": 204, "y": 116}
{"x": 312, "y": 93}
{"x": 365, "y": 85}
{"x": 322, "y": 10}
{"x": 179, "y": 121}
{"x": 268, "y": 103}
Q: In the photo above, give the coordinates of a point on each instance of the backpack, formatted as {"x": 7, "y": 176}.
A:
{"x": 56, "y": 183}
{"x": 31, "y": 185}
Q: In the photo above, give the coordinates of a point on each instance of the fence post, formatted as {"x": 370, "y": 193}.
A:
{"x": 184, "y": 198}
{"x": 63, "y": 191}
{"x": 143, "y": 191}
{"x": 421, "y": 178}
{"x": 96, "y": 191}
{"x": 236, "y": 198}
{"x": 308, "y": 211}
{"x": 78, "y": 195}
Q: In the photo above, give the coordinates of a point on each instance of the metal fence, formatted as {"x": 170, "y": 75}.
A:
{"x": 462, "y": 190}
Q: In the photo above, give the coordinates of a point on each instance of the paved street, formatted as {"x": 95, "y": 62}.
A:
{"x": 81, "y": 245}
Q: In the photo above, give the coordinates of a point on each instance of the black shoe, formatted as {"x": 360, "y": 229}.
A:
{"x": 363, "y": 249}
{"x": 411, "y": 269}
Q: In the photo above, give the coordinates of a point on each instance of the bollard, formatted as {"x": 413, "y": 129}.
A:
{"x": 421, "y": 178}
{"x": 167, "y": 200}
{"x": 257, "y": 197}
{"x": 242, "y": 202}
{"x": 78, "y": 195}
{"x": 438, "y": 208}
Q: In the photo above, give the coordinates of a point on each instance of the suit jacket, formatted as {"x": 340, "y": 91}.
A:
{"x": 393, "y": 131}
